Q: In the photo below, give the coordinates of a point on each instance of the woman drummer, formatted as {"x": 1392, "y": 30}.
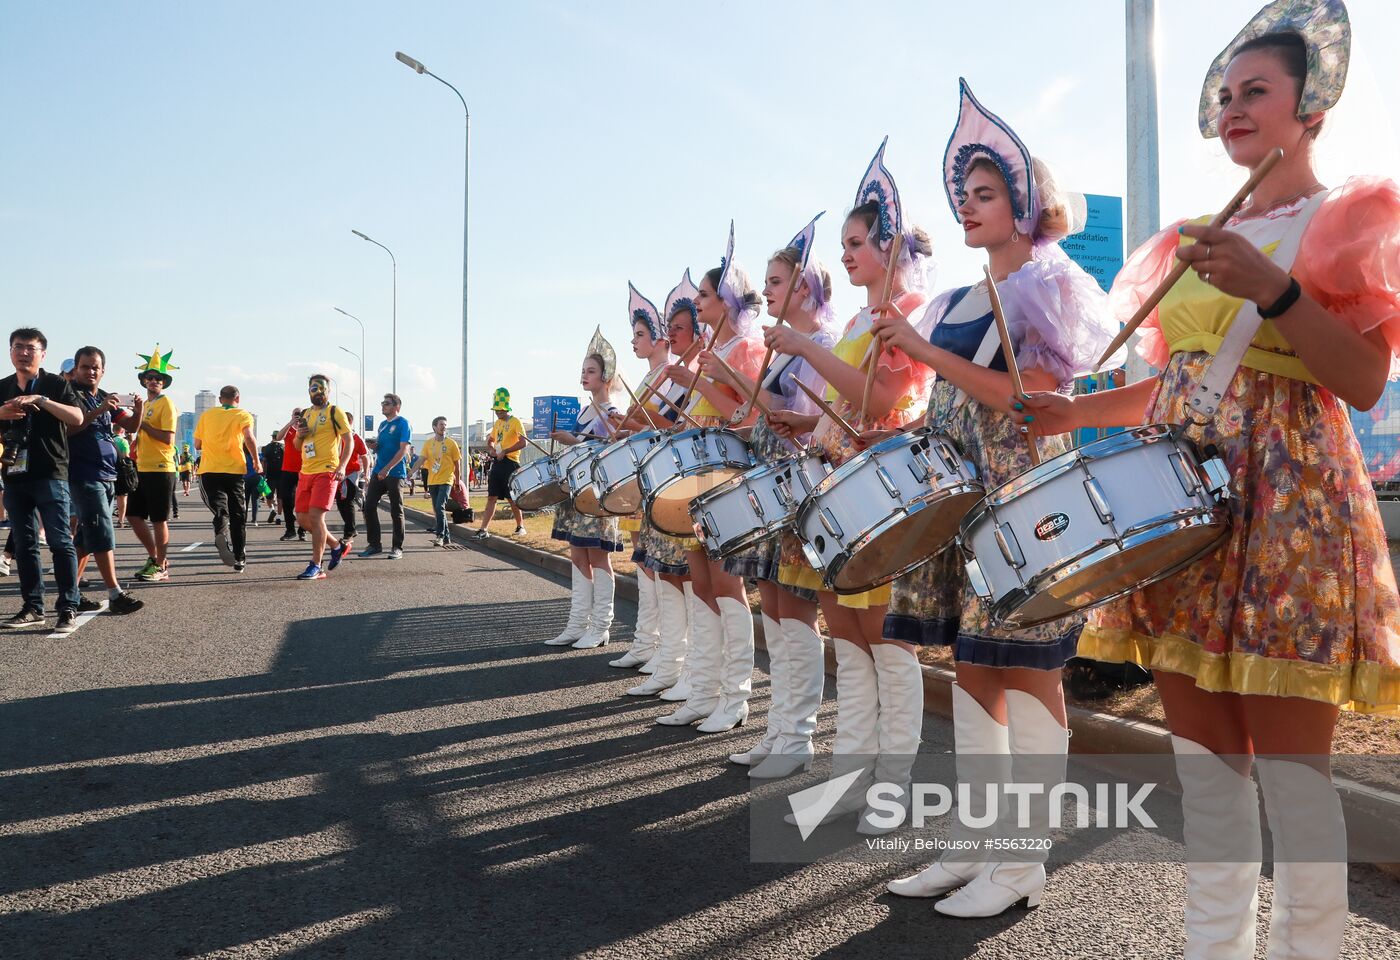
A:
{"x": 591, "y": 540}
{"x": 664, "y": 555}
{"x": 879, "y": 686}
{"x": 1257, "y": 646}
{"x": 797, "y": 670}
{"x": 720, "y": 656}
{"x": 649, "y": 343}
{"x": 1008, "y": 700}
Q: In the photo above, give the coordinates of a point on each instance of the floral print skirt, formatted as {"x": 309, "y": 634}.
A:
{"x": 1300, "y": 600}
{"x": 580, "y": 530}
{"x": 932, "y": 604}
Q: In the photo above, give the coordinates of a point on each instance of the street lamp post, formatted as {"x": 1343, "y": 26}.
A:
{"x": 361, "y": 359}
{"x": 394, "y": 338}
{"x": 414, "y": 65}
{"x": 361, "y": 355}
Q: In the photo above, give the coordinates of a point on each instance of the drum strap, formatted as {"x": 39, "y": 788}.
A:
{"x": 969, "y": 308}
{"x": 1205, "y": 399}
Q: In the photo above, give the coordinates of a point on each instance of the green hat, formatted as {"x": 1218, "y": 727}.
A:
{"x": 501, "y": 400}
{"x": 157, "y": 363}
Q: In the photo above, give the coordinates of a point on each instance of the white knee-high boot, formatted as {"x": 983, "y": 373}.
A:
{"x": 1310, "y": 861}
{"x": 901, "y": 725}
{"x": 600, "y": 620}
{"x": 670, "y": 652}
{"x": 704, "y": 656}
{"x": 1220, "y": 812}
{"x": 983, "y": 760}
{"x": 680, "y": 691}
{"x": 644, "y": 633}
{"x": 736, "y": 667}
{"x": 857, "y": 727}
{"x": 777, "y": 684}
{"x": 805, "y": 676}
{"x": 580, "y": 609}
{"x": 1038, "y": 748}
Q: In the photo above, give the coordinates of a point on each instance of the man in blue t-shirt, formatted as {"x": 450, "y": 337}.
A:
{"x": 390, "y": 468}
{"x": 92, "y": 475}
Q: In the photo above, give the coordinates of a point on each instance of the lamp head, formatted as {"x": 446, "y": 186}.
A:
{"x": 359, "y": 234}
{"x": 408, "y": 61}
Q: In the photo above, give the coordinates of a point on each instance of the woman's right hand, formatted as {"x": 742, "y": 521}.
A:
{"x": 781, "y": 338}
{"x": 1050, "y": 413}
{"x": 562, "y": 436}
{"x": 790, "y": 423}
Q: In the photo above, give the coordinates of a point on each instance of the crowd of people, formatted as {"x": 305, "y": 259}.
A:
{"x": 1255, "y": 645}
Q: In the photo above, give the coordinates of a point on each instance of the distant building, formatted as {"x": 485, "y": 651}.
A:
{"x": 184, "y": 429}
{"x": 204, "y": 400}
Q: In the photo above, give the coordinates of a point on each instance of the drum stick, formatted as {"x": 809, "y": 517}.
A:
{"x": 719, "y": 328}
{"x": 538, "y": 447}
{"x": 553, "y": 424}
{"x": 836, "y": 418}
{"x": 768, "y": 355}
{"x": 1009, "y": 354}
{"x": 738, "y": 380}
{"x": 1181, "y": 266}
{"x": 655, "y": 386}
{"x": 645, "y": 412}
{"x": 875, "y": 344}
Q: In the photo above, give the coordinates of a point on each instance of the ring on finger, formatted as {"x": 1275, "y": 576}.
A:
{"x": 1207, "y": 251}
{"x": 1206, "y": 276}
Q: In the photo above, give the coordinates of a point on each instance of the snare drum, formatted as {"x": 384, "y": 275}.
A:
{"x": 682, "y": 467}
{"x": 576, "y": 464}
{"x": 615, "y": 472}
{"x": 1093, "y": 524}
{"x": 538, "y": 484}
{"x": 756, "y": 504}
{"x": 887, "y": 510}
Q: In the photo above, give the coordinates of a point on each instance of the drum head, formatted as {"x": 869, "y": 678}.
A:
{"x": 905, "y": 544}
{"x": 1128, "y": 570}
{"x": 625, "y": 500}
{"x": 546, "y": 496}
{"x": 669, "y": 507}
{"x": 587, "y": 503}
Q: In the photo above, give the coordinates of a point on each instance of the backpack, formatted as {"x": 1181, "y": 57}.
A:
{"x": 272, "y": 457}
{"x": 127, "y": 477}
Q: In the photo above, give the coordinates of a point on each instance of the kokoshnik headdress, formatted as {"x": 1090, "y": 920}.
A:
{"x": 642, "y": 310}
{"x": 157, "y": 363}
{"x": 1325, "y": 29}
{"x": 599, "y": 347}
{"x": 877, "y": 185}
{"x": 981, "y": 133}
{"x": 743, "y": 317}
{"x": 682, "y": 297}
{"x": 806, "y": 270}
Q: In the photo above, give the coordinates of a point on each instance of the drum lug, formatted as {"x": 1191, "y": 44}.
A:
{"x": 829, "y": 521}
{"x": 948, "y": 458}
{"x": 1010, "y": 548}
{"x": 1190, "y": 479}
{"x": 680, "y": 464}
{"x": 920, "y": 457}
{"x": 784, "y": 491}
{"x": 976, "y": 581}
{"x": 710, "y": 527}
{"x": 1217, "y": 477}
{"x": 753, "y": 502}
{"x": 1099, "y": 499}
{"x": 887, "y": 481}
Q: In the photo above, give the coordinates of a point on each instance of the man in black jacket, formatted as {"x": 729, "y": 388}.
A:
{"x": 36, "y": 410}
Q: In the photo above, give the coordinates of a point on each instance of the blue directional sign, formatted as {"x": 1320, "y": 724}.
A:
{"x": 1098, "y": 248}
{"x": 562, "y": 412}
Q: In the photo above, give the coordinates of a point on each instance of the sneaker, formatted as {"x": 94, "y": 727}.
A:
{"x": 395, "y": 554}
{"x": 149, "y": 571}
{"x": 67, "y": 622}
{"x": 4, "y": 566}
{"x": 287, "y": 536}
{"x": 337, "y": 554}
{"x": 124, "y": 603}
{"x": 89, "y": 605}
{"x": 225, "y": 549}
{"x": 252, "y": 523}
{"x": 301, "y": 535}
{"x": 312, "y": 572}
{"x": 272, "y": 521}
{"x": 160, "y": 576}
{"x": 239, "y": 566}
{"x": 28, "y": 617}
{"x": 519, "y": 531}
{"x": 480, "y": 535}
{"x": 371, "y": 551}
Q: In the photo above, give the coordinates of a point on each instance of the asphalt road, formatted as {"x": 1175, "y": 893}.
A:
{"x": 389, "y": 764}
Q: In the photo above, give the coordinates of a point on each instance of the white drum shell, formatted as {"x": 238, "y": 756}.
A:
{"x": 615, "y": 472}
{"x": 755, "y": 505}
{"x": 684, "y": 466}
{"x": 576, "y": 464}
{"x": 538, "y": 484}
{"x": 1035, "y": 543}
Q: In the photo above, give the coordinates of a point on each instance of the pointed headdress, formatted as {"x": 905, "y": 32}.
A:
{"x": 981, "y": 133}
{"x": 642, "y": 310}
{"x": 158, "y": 363}
{"x": 878, "y": 185}
{"x": 682, "y": 298}
{"x": 599, "y": 347}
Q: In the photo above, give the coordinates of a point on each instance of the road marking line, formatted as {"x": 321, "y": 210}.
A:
{"x": 197, "y": 543}
{"x": 82, "y": 619}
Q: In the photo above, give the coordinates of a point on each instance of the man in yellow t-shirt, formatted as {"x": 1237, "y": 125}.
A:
{"x": 221, "y": 436}
{"x": 323, "y": 436}
{"x": 442, "y": 458}
{"x": 503, "y": 446}
{"x": 148, "y": 507}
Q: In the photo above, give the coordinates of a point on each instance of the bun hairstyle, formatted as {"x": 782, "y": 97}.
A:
{"x": 1061, "y": 213}
{"x": 791, "y": 257}
{"x": 917, "y": 242}
{"x": 738, "y": 281}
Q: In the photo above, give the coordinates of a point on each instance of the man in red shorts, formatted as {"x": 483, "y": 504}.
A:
{"x": 323, "y": 438}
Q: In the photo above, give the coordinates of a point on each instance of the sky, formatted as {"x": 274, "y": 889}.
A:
{"x": 190, "y": 174}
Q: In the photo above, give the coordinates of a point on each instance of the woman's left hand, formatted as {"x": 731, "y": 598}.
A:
{"x": 1230, "y": 263}
{"x": 894, "y": 330}
{"x": 710, "y": 366}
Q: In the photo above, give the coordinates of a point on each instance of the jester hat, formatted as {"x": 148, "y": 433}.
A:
{"x": 157, "y": 363}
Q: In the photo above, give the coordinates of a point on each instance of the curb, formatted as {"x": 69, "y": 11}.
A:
{"x": 1368, "y": 809}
